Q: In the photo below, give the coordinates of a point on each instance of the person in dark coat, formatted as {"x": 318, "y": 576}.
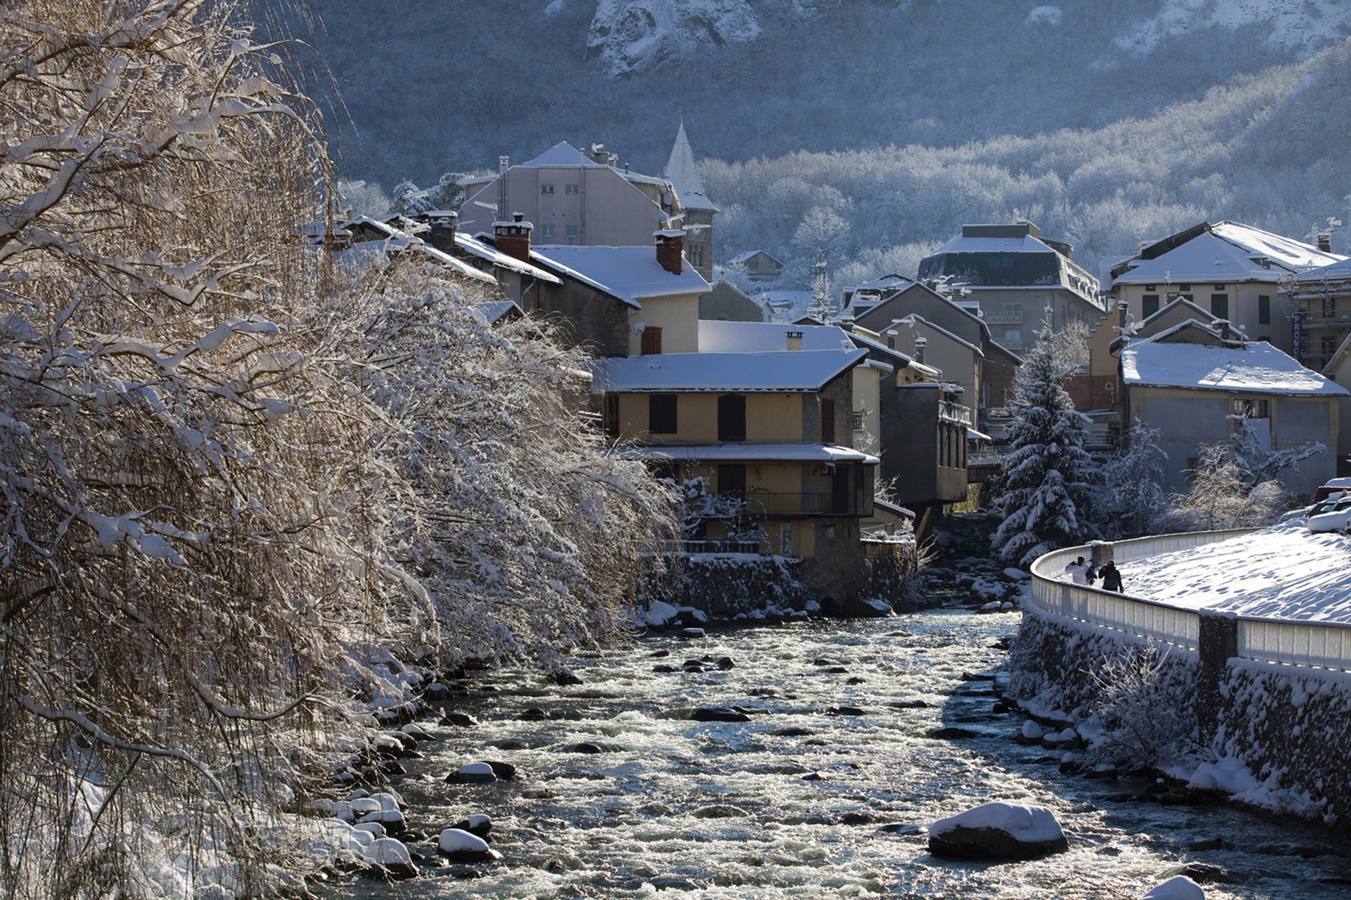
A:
{"x": 1111, "y": 577}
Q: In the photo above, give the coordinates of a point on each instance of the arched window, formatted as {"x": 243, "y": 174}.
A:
{"x": 731, "y": 417}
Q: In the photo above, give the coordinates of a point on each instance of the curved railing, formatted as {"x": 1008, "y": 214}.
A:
{"x": 1325, "y": 645}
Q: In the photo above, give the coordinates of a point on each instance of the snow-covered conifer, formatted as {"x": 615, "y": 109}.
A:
{"x": 1045, "y": 482}
{"x": 1133, "y": 494}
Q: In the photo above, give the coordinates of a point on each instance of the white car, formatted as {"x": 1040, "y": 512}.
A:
{"x": 1335, "y": 519}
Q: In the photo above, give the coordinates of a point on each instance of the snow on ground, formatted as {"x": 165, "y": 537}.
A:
{"x": 1283, "y": 572}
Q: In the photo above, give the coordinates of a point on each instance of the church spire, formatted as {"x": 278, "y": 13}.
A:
{"x": 683, "y": 172}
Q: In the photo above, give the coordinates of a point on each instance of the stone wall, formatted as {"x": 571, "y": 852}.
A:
{"x": 727, "y": 586}
{"x": 1288, "y": 728}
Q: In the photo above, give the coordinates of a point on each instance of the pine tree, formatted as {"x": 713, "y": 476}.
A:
{"x": 1045, "y": 480}
{"x": 822, "y": 307}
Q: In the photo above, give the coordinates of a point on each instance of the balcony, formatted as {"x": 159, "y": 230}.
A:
{"x": 954, "y": 412}
{"x": 1003, "y": 318}
{"x": 761, "y": 504}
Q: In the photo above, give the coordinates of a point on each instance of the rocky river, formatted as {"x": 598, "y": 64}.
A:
{"x": 859, "y": 734}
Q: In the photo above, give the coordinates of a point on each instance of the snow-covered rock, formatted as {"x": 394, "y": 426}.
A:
{"x": 473, "y": 773}
{"x": 1017, "y": 574}
{"x": 462, "y": 845}
{"x": 477, "y": 824}
{"x": 878, "y": 607}
{"x": 374, "y": 829}
{"x": 390, "y": 855}
{"x": 658, "y": 613}
{"x": 1032, "y": 731}
{"x": 998, "y": 831}
{"x": 390, "y": 819}
{"x": 1179, "y": 887}
{"x": 633, "y": 36}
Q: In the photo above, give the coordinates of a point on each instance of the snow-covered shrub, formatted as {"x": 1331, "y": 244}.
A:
{"x": 1132, "y": 495}
{"x": 1144, "y": 708}
{"x": 1222, "y": 495}
{"x": 1045, "y": 482}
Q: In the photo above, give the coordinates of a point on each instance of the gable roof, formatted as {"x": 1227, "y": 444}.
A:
{"x": 629, "y": 274}
{"x": 716, "y": 336}
{"x": 1219, "y": 253}
{"x": 1176, "y": 304}
{"x": 915, "y": 319}
{"x": 1255, "y": 367}
{"x": 751, "y": 254}
{"x": 363, "y": 252}
{"x": 928, "y": 292}
{"x": 562, "y": 154}
{"x": 1338, "y": 271}
{"x": 777, "y": 370}
{"x": 682, "y": 171}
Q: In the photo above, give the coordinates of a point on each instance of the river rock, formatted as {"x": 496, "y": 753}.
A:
{"x": 1179, "y": 887}
{"x": 663, "y": 669}
{"x": 473, "y": 773}
{"x": 950, "y": 733}
{"x": 793, "y": 731}
{"x": 390, "y": 819}
{"x": 908, "y": 704}
{"x": 718, "y": 714}
{"x": 533, "y": 714}
{"x": 724, "y": 663}
{"x": 846, "y": 711}
{"x": 585, "y": 747}
{"x": 691, "y": 634}
{"x": 390, "y": 858}
{"x": 998, "y": 831}
{"x": 1205, "y": 873}
{"x": 564, "y": 678}
{"x": 504, "y": 771}
{"x": 461, "y": 846}
{"x": 477, "y": 824}
{"x": 458, "y": 719}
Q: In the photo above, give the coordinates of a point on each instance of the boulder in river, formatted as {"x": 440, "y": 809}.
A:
{"x": 563, "y": 678}
{"x": 504, "y": 771}
{"x": 718, "y": 714}
{"x": 473, "y": 773}
{"x": 458, "y": 719}
{"x": 998, "y": 831}
{"x": 691, "y": 634}
{"x": 584, "y": 747}
{"x": 461, "y": 846}
{"x": 477, "y": 824}
{"x": 390, "y": 858}
{"x": 1179, "y": 887}
{"x": 533, "y": 714}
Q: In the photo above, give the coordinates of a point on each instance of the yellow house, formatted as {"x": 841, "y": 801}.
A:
{"x": 769, "y": 434}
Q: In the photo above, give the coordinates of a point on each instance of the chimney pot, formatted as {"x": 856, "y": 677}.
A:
{"x": 670, "y": 249}
{"x": 1325, "y": 241}
{"x": 513, "y": 237}
{"x": 441, "y": 233}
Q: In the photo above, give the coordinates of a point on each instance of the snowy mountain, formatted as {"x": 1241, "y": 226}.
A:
{"x": 1289, "y": 24}
{"x": 630, "y": 38}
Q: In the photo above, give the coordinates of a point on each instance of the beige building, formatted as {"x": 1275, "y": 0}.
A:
{"x": 1198, "y": 384}
{"x": 959, "y": 360}
{"x": 1231, "y": 271}
{"x": 1321, "y": 298}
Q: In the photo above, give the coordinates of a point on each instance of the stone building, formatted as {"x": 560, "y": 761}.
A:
{"x": 697, "y": 210}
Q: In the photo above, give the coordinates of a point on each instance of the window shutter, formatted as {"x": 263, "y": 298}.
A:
{"x": 651, "y": 341}
{"x": 827, "y": 421}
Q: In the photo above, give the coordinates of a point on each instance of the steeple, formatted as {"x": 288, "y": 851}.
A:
{"x": 682, "y": 171}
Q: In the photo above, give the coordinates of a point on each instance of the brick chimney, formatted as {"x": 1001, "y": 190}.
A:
{"x": 670, "y": 248}
{"x": 1325, "y": 241}
{"x": 441, "y": 233}
{"x": 513, "y": 237}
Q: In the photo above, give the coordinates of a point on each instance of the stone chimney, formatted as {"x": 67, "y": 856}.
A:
{"x": 441, "y": 233}
{"x": 891, "y": 338}
{"x": 670, "y": 249}
{"x": 920, "y": 343}
{"x": 794, "y": 340}
{"x": 513, "y": 237}
{"x": 1325, "y": 241}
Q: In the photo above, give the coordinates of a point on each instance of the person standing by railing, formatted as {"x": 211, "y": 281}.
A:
{"x": 1111, "y": 577}
{"x": 1077, "y": 571}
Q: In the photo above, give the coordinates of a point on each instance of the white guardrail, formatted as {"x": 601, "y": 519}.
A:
{"x": 1325, "y": 645}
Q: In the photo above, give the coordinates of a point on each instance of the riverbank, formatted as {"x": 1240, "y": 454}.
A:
{"x": 859, "y": 734}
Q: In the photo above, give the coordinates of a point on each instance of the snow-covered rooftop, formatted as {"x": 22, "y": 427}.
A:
{"x": 1255, "y": 367}
{"x": 1338, "y": 271}
{"x": 627, "y": 273}
{"x": 1226, "y": 252}
{"x": 562, "y": 154}
{"x": 749, "y": 254}
{"x": 745, "y": 337}
{"x": 1283, "y": 572}
{"x": 915, "y": 319}
{"x": 779, "y": 370}
{"x": 363, "y": 253}
{"x": 1023, "y": 244}
{"x": 484, "y": 251}
{"x": 683, "y": 172}
{"x": 749, "y": 452}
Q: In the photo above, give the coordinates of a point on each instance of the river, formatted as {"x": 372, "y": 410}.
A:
{"x": 826, "y": 808}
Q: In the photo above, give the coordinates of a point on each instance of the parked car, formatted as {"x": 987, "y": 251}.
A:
{"x": 1335, "y": 519}
{"x": 1325, "y": 506}
{"x": 1334, "y": 486}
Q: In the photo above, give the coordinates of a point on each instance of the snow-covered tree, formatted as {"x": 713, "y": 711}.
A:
{"x": 1221, "y": 495}
{"x": 821, "y": 233}
{"x": 1046, "y": 480}
{"x": 822, "y": 307}
{"x": 362, "y": 198}
{"x": 1133, "y": 494}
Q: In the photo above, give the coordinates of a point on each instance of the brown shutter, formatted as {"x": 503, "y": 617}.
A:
{"x": 651, "y": 341}
{"x": 827, "y": 421}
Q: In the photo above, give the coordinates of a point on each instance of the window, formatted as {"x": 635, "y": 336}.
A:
{"x": 546, "y": 231}
{"x": 731, "y": 417}
{"x": 827, "y": 421}
{"x": 1263, "y": 309}
{"x": 661, "y": 414}
{"x": 572, "y": 189}
{"x": 611, "y": 415}
{"x": 1184, "y": 288}
{"x": 651, "y": 341}
{"x": 546, "y": 188}
{"x": 1151, "y": 304}
{"x": 1250, "y": 409}
{"x": 732, "y": 479}
{"x": 1219, "y": 306}
{"x": 572, "y": 231}
{"x": 856, "y": 420}
{"x": 1150, "y": 287}
{"x": 1219, "y": 287}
